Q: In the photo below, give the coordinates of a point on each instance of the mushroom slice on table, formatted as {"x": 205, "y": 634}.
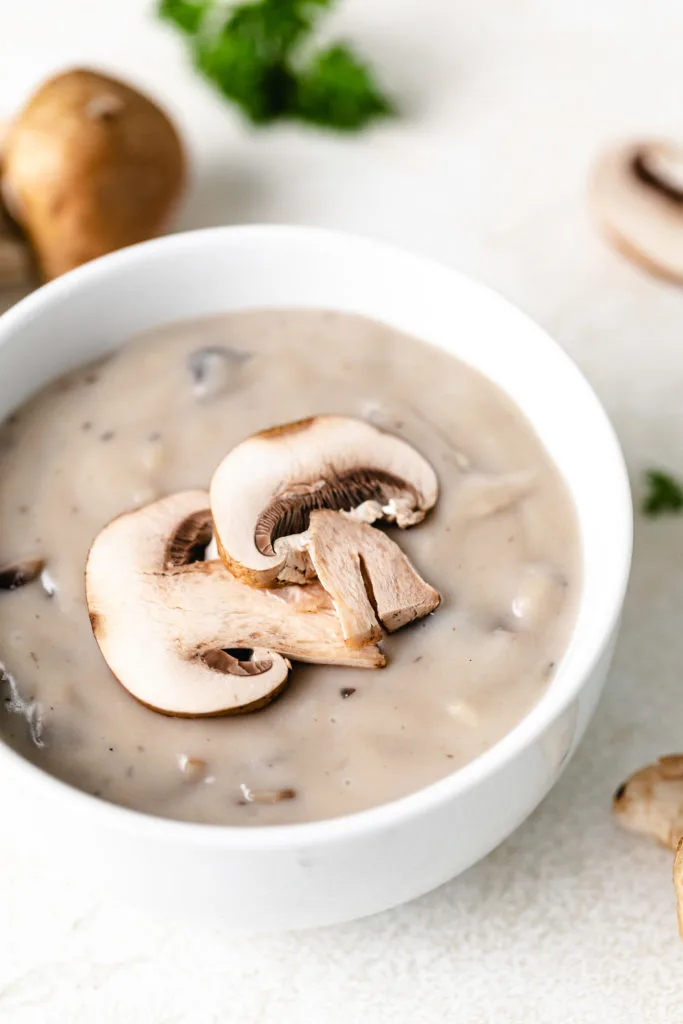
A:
{"x": 651, "y": 801}
{"x": 264, "y": 490}
{"x": 185, "y": 637}
{"x": 637, "y": 197}
{"x": 678, "y": 884}
{"x": 367, "y": 576}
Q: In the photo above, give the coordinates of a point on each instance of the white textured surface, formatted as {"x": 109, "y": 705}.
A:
{"x": 570, "y": 920}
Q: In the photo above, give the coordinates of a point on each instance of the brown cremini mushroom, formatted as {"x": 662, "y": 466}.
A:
{"x": 16, "y": 260}
{"x": 264, "y": 490}
{"x": 184, "y": 636}
{"x": 367, "y": 576}
{"x": 637, "y": 196}
{"x": 651, "y": 801}
{"x": 90, "y": 165}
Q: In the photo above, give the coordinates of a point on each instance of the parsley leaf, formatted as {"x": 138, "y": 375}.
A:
{"x": 664, "y": 494}
{"x": 253, "y": 54}
{"x": 186, "y": 14}
{"x": 339, "y": 89}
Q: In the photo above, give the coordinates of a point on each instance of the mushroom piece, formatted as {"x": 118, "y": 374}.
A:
{"x": 90, "y": 165}
{"x": 651, "y": 801}
{"x": 367, "y": 576}
{"x": 14, "y": 576}
{"x": 177, "y": 631}
{"x": 678, "y": 884}
{"x": 214, "y": 370}
{"x": 637, "y": 197}
{"x": 265, "y": 489}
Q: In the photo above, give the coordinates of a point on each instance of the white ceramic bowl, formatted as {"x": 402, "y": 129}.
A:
{"x": 312, "y": 874}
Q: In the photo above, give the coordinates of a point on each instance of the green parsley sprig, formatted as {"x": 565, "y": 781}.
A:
{"x": 259, "y": 55}
{"x": 664, "y": 494}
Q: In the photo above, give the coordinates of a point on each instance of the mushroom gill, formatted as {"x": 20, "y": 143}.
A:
{"x": 185, "y": 637}
{"x": 265, "y": 489}
{"x": 636, "y": 193}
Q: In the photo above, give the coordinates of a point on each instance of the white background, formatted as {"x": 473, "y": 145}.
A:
{"x": 506, "y": 104}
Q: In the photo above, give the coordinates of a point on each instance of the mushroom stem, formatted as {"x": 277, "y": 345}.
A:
{"x": 367, "y": 576}
{"x": 637, "y": 196}
{"x": 213, "y": 610}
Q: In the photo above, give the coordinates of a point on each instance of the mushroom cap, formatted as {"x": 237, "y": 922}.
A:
{"x": 90, "y": 165}
{"x": 124, "y": 575}
{"x": 173, "y": 629}
{"x": 636, "y": 193}
{"x": 265, "y": 489}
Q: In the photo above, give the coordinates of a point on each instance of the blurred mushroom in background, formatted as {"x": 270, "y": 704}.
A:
{"x": 636, "y": 194}
{"x": 89, "y": 165}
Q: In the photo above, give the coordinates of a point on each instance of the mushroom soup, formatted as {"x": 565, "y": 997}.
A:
{"x": 382, "y": 590}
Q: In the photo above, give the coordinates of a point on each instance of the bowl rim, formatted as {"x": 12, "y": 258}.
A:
{"x": 530, "y": 728}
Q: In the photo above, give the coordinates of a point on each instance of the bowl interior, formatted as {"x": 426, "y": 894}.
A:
{"x": 89, "y": 311}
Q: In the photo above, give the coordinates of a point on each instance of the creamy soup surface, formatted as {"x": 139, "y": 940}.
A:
{"x": 501, "y": 546}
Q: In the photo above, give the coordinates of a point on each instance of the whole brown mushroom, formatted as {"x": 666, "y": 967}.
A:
{"x": 90, "y": 165}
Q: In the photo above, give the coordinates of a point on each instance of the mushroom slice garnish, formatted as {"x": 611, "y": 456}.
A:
{"x": 367, "y": 576}
{"x": 174, "y": 629}
{"x": 651, "y": 801}
{"x": 265, "y": 489}
{"x": 637, "y": 196}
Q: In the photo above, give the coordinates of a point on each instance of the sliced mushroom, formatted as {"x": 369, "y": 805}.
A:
{"x": 678, "y": 884}
{"x": 265, "y": 489}
{"x": 173, "y": 629}
{"x": 651, "y": 801}
{"x": 367, "y": 576}
{"x": 637, "y": 197}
